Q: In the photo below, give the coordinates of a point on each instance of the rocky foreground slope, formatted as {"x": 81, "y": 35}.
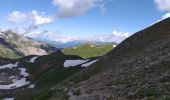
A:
{"x": 137, "y": 69}
{"x": 13, "y": 45}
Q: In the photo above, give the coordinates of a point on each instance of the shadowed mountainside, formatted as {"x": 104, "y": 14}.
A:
{"x": 138, "y": 68}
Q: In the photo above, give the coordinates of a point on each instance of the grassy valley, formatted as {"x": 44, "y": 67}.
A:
{"x": 89, "y": 50}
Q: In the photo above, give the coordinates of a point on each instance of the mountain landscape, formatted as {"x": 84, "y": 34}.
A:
{"x": 59, "y": 41}
{"x": 85, "y": 50}
{"x": 15, "y": 46}
{"x": 136, "y": 69}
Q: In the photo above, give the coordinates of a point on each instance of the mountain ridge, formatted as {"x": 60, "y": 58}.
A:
{"x": 132, "y": 70}
{"x": 19, "y": 46}
{"x": 136, "y": 69}
{"x": 60, "y": 41}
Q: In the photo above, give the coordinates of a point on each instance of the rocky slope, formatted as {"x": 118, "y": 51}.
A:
{"x": 137, "y": 69}
{"x": 13, "y": 45}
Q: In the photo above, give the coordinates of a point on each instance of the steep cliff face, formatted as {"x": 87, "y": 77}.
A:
{"x": 138, "y": 68}
{"x": 14, "y": 45}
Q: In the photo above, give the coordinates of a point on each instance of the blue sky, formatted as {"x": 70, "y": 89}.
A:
{"x": 96, "y": 17}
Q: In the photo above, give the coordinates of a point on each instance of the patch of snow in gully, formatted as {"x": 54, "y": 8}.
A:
{"x": 32, "y": 60}
{"x": 23, "y": 72}
{"x": 31, "y": 86}
{"x": 15, "y": 84}
{"x": 89, "y": 63}
{"x": 9, "y": 66}
{"x": 16, "y": 81}
{"x": 69, "y": 63}
{"x": 8, "y": 99}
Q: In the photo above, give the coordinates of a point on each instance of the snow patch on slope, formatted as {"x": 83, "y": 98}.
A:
{"x": 9, "y": 66}
{"x": 32, "y": 60}
{"x": 69, "y": 63}
{"x": 16, "y": 83}
{"x": 8, "y": 99}
{"x": 89, "y": 63}
{"x": 31, "y": 86}
{"x": 23, "y": 72}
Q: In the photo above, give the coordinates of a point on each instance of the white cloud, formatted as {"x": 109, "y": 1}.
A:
{"x": 163, "y": 4}
{"x": 30, "y": 28}
{"x": 114, "y": 37}
{"x": 57, "y": 37}
{"x": 102, "y": 8}
{"x": 120, "y": 34}
{"x": 50, "y": 36}
{"x": 72, "y": 8}
{"x": 37, "y": 19}
{"x": 29, "y": 21}
{"x": 16, "y": 17}
{"x": 3, "y": 29}
{"x": 167, "y": 15}
{"x": 33, "y": 17}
